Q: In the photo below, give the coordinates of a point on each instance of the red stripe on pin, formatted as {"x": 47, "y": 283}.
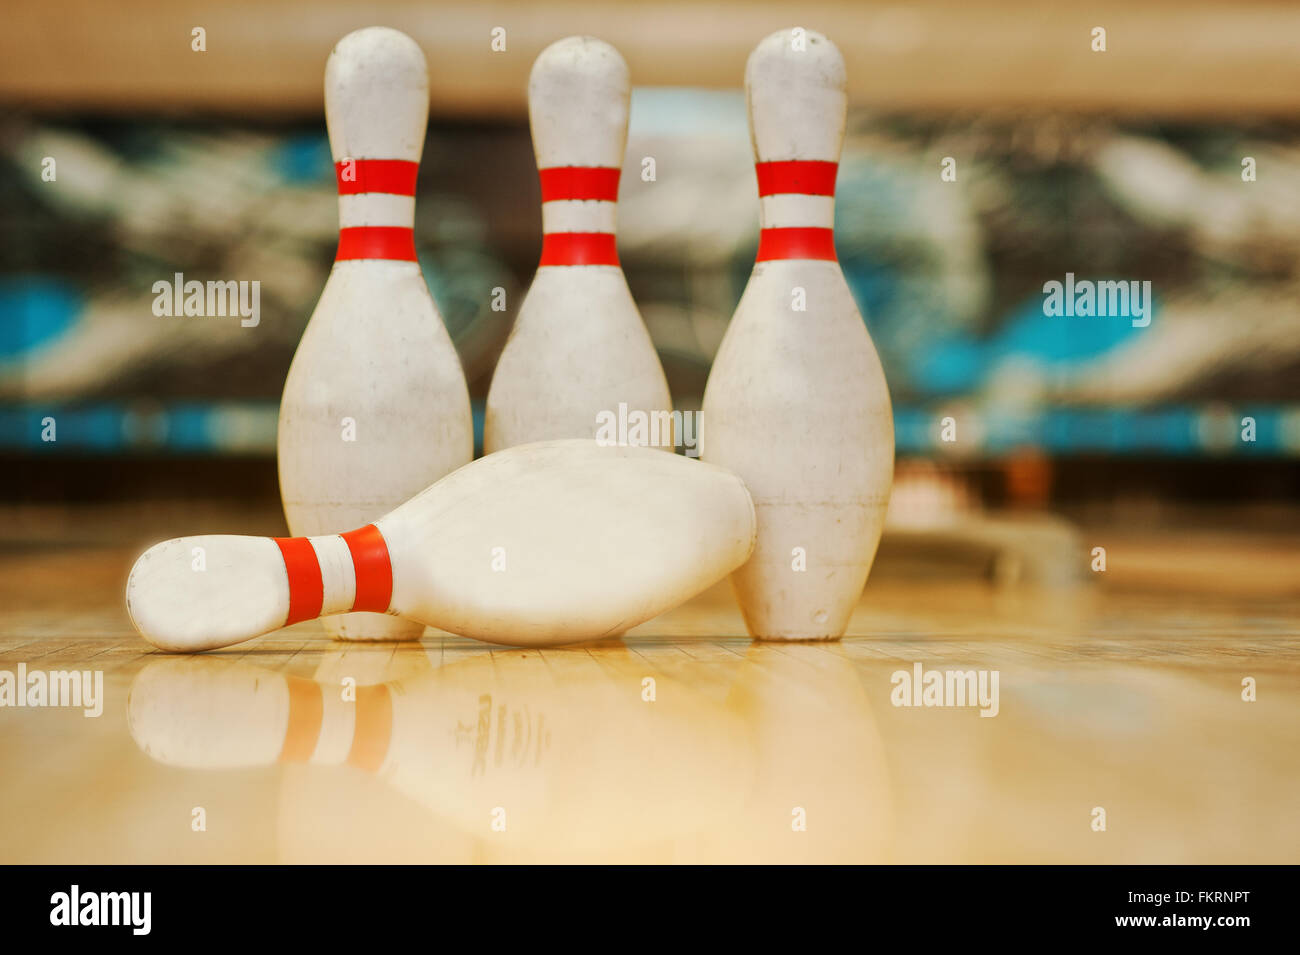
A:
{"x": 803, "y": 177}
{"x": 373, "y": 568}
{"x": 580, "y": 182}
{"x": 306, "y": 589}
{"x": 394, "y": 177}
{"x": 376, "y": 242}
{"x": 579, "y": 248}
{"x": 796, "y": 243}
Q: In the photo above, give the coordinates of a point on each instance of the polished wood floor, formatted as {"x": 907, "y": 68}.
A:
{"x": 1119, "y": 701}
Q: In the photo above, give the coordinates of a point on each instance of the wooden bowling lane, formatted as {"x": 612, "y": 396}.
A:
{"x": 682, "y": 742}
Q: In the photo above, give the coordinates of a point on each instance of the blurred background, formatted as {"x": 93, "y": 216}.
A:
{"x": 1171, "y": 157}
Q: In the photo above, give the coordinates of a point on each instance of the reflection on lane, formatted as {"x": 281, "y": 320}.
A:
{"x": 568, "y": 754}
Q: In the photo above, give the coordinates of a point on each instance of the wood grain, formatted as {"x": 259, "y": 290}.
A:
{"x": 1113, "y": 694}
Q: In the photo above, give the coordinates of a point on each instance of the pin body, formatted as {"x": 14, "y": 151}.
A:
{"x": 796, "y": 402}
{"x": 541, "y": 544}
{"x": 375, "y": 406}
{"x": 578, "y": 348}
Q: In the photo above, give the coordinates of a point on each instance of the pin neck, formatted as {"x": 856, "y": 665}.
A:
{"x": 797, "y": 209}
{"x": 394, "y": 177}
{"x": 805, "y": 177}
{"x": 578, "y": 215}
{"x": 599, "y": 183}
{"x": 311, "y": 589}
{"x": 376, "y": 209}
{"x": 391, "y": 243}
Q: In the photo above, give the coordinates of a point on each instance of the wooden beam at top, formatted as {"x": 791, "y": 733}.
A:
{"x": 1186, "y": 58}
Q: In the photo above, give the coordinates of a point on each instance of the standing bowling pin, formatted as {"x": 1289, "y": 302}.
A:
{"x": 796, "y": 403}
{"x": 375, "y": 406}
{"x": 578, "y": 349}
{"x": 540, "y": 544}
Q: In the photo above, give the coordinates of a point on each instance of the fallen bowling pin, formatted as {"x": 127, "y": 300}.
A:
{"x": 541, "y": 544}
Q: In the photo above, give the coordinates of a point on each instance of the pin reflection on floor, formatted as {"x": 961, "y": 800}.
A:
{"x": 522, "y": 755}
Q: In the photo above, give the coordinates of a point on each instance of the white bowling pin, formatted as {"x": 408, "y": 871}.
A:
{"x": 540, "y": 544}
{"x": 375, "y": 406}
{"x": 796, "y": 403}
{"x": 578, "y": 349}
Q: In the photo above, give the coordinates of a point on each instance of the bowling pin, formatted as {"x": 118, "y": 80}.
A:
{"x": 540, "y": 544}
{"x": 796, "y": 403}
{"x": 578, "y": 349}
{"x": 375, "y": 406}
